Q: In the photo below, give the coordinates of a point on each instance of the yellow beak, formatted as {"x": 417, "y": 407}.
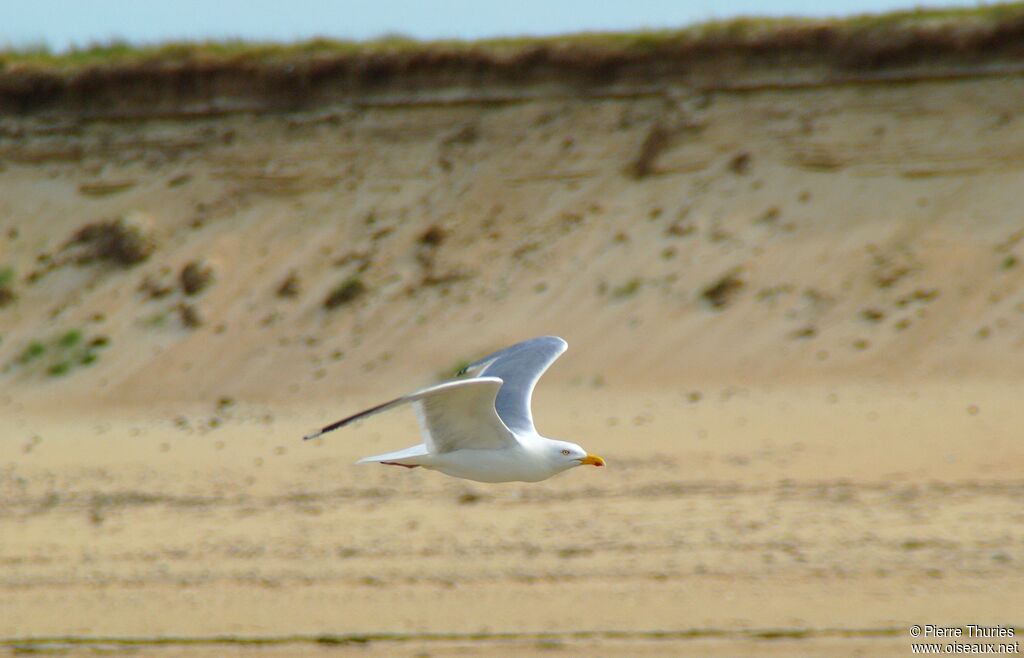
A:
{"x": 592, "y": 460}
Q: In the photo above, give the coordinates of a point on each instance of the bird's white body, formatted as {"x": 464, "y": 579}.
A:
{"x": 481, "y": 428}
{"x": 523, "y": 463}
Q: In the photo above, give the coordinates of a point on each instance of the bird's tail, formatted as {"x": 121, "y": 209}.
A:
{"x": 409, "y": 457}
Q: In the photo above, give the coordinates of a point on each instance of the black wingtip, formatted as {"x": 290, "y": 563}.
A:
{"x": 345, "y": 421}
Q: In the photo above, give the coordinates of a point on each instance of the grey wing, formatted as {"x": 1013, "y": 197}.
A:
{"x": 453, "y": 415}
{"x": 460, "y": 415}
{"x": 519, "y": 366}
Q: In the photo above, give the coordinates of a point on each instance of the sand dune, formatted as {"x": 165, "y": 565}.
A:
{"x": 893, "y": 259}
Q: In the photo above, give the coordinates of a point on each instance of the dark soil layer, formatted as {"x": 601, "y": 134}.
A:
{"x": 211, "y": 79}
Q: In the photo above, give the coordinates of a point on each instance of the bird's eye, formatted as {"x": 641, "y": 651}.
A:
{"x": 565, "y": 452}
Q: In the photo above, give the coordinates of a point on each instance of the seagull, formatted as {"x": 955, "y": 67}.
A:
{"x": 480, "y": 427}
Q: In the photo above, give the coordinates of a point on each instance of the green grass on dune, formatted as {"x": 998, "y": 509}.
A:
{"x": 718, "y": 33}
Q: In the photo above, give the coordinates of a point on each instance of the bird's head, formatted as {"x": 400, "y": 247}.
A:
{"x": 566, "y": 455}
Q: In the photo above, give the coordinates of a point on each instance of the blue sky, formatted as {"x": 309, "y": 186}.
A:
{"x": 64, "y": 23}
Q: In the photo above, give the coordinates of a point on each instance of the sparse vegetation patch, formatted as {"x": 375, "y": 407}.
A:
{"x": 7, "y": 294}
{"x": 443, "y": 279}
{"x": 117, "y": 241}
{"x": 59, "y": 368}
{"x": 195, "y": 277}
{"x": 433, "y": 236}
{"x": 60, "y": 354}
{"x": 769, "y": 216}
{"x": 627, "y": 289}
{"x": 105, "y": 188}
{"x": 69, "y": 339}
{"x": 189, "y": 315}
{"x": 32, "y": 351}
{"x": 344, "y": 293}
{"x": 290, "y": 287}
{"x": 154, "y": 288}
{"x": 680, "y": 228}
{"x": 890, "y": 269}
{"x": 872, "y": 315}
{"x": 807, "y": 331}
{"x": 740, "y": 163}
{"x": 722, "y": 292}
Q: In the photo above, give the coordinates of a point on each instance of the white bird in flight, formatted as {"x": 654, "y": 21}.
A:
{"x": 480, "y": 428}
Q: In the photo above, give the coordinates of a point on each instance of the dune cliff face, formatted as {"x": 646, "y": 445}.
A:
{"x": 866, "y": 231}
